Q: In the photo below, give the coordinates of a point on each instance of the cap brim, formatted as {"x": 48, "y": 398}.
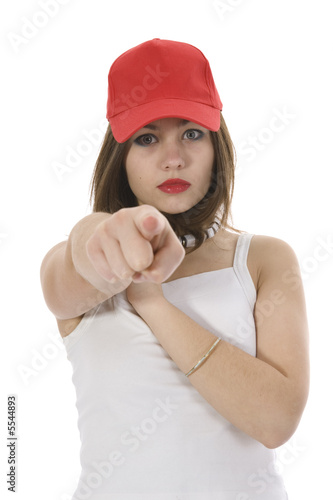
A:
{"x": 125, "y": 124}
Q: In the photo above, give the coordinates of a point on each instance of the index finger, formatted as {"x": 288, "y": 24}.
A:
{"x": 150, "y": 222}
{"x": 167, "y": 258}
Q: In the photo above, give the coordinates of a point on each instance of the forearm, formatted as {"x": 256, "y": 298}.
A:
{"x": 251, "y": 394}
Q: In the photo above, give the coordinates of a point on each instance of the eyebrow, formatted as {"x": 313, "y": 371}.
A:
{"x": 154, "y": 127}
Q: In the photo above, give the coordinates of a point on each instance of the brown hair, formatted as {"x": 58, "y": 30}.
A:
{"x": 110, "y": 190}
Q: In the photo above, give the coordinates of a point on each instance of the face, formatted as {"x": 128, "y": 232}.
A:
{"x": 169, "y": 164}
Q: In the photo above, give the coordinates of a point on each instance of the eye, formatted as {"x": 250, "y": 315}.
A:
{"x": 193, "y": 134}
{"x": 145, "y": 140}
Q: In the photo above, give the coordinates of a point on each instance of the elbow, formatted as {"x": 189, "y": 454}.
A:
{"x": 276, "y": 440}
{"x": 284, "y": 422}
{"x": 274, "y": 434}
{"x": 280, "y": 432}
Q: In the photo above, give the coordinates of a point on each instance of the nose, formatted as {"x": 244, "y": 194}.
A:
{"x": 172, "y": 157}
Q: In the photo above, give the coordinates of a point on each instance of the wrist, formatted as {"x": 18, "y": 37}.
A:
{"x": 149, "y": 309}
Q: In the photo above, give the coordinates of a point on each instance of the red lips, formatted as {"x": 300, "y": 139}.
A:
{"x": 171, "y": 182}
{"x": 174, "y": 186}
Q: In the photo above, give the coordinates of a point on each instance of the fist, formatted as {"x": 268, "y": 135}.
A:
{"x": 134, "y": 244}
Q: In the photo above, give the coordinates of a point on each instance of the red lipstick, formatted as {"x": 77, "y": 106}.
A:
{"x": 174, "y": 186}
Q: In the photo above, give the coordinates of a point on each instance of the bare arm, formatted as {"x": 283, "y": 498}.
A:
{"x": 104, "y": 254}
{"x": 264, "y": 396}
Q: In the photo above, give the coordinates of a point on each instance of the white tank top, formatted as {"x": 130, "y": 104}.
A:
{"x": 146, "y": 433}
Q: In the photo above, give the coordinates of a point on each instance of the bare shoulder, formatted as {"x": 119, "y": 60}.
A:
{"x": 269, "y": 256}
{"x": 266, "y": 255}
{"x": 263, "y": 247}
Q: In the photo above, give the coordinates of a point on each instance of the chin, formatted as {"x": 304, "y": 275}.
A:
{"x": 177, "y": 208}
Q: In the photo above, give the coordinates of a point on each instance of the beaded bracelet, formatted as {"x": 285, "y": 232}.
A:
{"x": 203, "y": 359}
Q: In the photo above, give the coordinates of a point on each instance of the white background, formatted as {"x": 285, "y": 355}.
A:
{"x": 266, "y": 57}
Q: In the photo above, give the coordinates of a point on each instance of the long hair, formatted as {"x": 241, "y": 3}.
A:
{"x": 111, "y": 192}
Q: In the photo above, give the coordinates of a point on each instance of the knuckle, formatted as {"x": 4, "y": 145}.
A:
{"x": 149, "y": 210}
{"x": 100, "y": 232}
{"x": 120, "y": 216}
{"x": 141, "y": 263}
{"x": 142, "y": 258}
{"x": 157, "y": 276}
{"x": 181, "y": 252}
{"x": 106, "y": 229}
{"x": 91, "y": 245}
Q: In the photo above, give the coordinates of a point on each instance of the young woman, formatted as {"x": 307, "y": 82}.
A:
{"x": 188, "y": 339}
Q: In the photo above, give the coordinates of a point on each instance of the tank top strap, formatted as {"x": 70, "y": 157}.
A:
{"x": 241, "y": 269}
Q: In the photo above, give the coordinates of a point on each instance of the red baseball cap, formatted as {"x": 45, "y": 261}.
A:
{"x": 161, "y": 79}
